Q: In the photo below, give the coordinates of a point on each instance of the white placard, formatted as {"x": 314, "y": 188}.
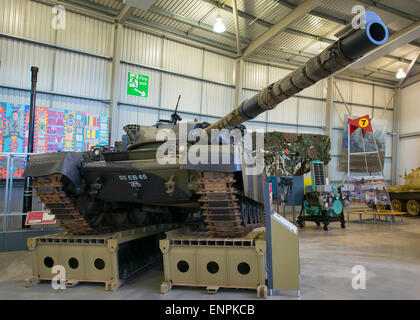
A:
{"x": 284, "y": 222}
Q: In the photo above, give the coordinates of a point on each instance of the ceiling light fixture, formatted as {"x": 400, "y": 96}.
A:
{"x": 219, "y": 26}
{"x": 320, "y": 48}
{"x": 400, "y": 74}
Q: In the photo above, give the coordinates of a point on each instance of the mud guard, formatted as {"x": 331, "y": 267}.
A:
{"x": 65, "y": 163}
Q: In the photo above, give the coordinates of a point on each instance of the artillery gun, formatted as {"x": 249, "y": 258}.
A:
{"x": 112, "y": 189}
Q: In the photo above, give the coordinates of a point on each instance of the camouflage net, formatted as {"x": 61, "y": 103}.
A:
{"x": 295, "y": 151}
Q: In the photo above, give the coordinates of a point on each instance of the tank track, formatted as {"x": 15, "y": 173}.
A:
{"x": 227, "y": 213}
{"x": 51, "y": 191}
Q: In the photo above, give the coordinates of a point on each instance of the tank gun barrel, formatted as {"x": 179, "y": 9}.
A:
{"x": 351, "y": 46}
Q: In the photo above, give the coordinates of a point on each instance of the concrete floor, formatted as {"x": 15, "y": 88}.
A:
{"x": 389, "y": 253}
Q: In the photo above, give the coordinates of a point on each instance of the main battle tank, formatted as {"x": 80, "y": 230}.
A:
{"x": 407, "y": 196}
{"x": 108, "y": 189}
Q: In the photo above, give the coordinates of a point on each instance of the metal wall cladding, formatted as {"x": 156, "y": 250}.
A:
{"x": 318, "y": 90}
{"x": 336, "y": 141}
{"x": 134, "y": 115}
{"x": 362, "y": 93}
{"x": 21, "y": 97}
{"x": 255, "y": 76}
{"x": 17, "y": 57}
{"x": 281, "y": 127}
{"x": 142, "y": 48}
{"x": 154, "y": 86}
{"x": 338, "y": 112}
{"x": 182, "y": 59}
{"x": 87, "y": 34}
{"x": 82, "y": 75}
{"x": 343, "y": 90}
{"x": 189, "y": 89}
{"x": 27, "y": 19}
{"x": 409, "y": 110}
{"x": 251, "y": 125}
{"x": 285, "y": 112}
{"x": 76, "y": 104}
{"x": 311, "y": 112}
{"x": 383, "y": 97}
{"x": 54, "y": 101}
{"x": 408, "y": 160}
{"x": 310, "y": 130}
{"x": 217, "y": 100}
{"x": 276, "y": 74}
{"x": 218, "y": 68}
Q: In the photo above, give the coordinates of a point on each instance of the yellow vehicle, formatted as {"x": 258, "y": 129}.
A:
{"x": 407, "y": 196}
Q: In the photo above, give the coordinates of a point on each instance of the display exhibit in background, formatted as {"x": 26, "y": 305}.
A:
{"x": 370, "y": 190}
{"x": 55, "y": 130}
{"x": 370, "y": 143}
{"x": 14, "y": 120}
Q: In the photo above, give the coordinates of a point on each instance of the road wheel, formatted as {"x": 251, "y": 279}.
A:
{"x": 398, "y": 205}
{"x": 413, "y": 207}
{"x": 381, "y": 206}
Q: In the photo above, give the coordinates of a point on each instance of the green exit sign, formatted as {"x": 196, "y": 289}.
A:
{"x": 138, "y": 85}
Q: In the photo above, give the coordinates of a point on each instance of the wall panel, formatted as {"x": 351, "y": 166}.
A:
{"x": 255, "y": 76}
{"x": 86, "y": 34}
{"x": 27, "y": 19}
{"x": 311, "y": 112}
{"x": 217, "y": 100}
{"x": 183, "y": 59}
{"x": 190, "y": 91}
{"x": 17, "y": 57}
{"x": 82, "y": 75}
{"x": 142, "y": 48}
{"x": 218, "y": 68}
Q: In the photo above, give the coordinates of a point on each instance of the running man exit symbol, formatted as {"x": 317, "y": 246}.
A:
{"x": 138, "y": 85}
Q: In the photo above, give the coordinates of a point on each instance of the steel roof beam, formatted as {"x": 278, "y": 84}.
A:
{"x": 235, "y": 19}
{"x": 287, "y": 62}
{"x": 193, "y": 23}
{"x": 394, "y": 42}
{"x": 94, "y": 6}
{"x": 168, "y": 30}
{"x": 316, "y": 13}
{"x": 311, "y": 55}
{"x": 125, "y": 13}
{"x": 288, "y": 30}
{"x": 297, "y": 13}
{"x": 389, "y": 9}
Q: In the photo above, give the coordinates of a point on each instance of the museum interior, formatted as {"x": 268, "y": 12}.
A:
{"x": 209, "y": 150}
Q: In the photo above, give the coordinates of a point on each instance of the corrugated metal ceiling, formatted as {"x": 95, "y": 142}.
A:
{"x": 268, "y": 13}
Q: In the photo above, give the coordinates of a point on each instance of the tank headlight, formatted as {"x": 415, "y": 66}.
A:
{"x": 97, "y": 152}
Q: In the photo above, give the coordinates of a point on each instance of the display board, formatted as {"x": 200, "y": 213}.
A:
{"x": 370, "y": 190}
{"x": 358, "y": 143}
{"x": 55, "y": 130}
{"x": 14, "y": 119}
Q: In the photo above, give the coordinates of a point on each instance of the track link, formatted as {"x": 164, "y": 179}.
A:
{"x": 219, "y": 203}
{"x": 50, "y": 191}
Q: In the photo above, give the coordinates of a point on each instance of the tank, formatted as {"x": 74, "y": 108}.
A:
{"x": 108, "y": 189}
{"x": 407, "y": 196}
